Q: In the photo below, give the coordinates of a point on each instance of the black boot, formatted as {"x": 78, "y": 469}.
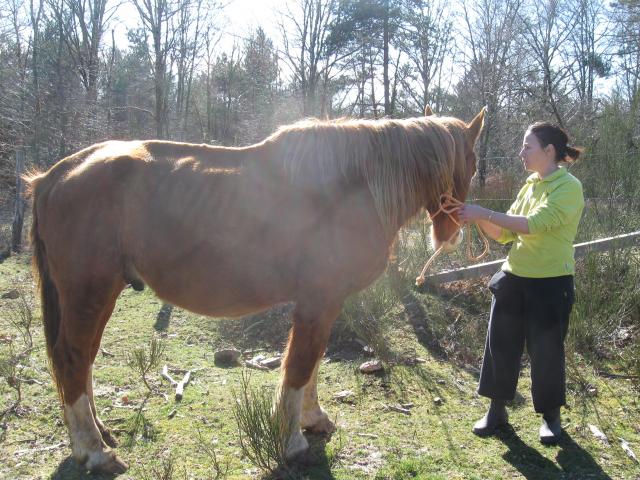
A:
{"x": 496, "y": 417}
{"x": 550, "y": 430}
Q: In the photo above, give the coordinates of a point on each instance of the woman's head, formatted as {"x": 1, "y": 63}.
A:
{"x": 544, "y": 146}
{"x": 549, "y": 134}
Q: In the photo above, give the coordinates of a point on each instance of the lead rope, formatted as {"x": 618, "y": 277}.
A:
{"x": 448, "y": 205}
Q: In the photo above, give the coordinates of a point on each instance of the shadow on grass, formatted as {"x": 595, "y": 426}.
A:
{"x": 416, "y": 314}
{"x": 572, "y": 459}
{"x": 70, "y": 469}
{"x": 266, "y": 330}
{"x": 163, "y": 317}
{"x": 314, "y": 464}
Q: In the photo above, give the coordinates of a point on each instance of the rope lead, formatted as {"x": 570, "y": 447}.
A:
{"x": 448, "y": 205}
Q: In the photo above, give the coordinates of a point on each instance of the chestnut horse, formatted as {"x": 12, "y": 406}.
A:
{"x": 308, "y": 216}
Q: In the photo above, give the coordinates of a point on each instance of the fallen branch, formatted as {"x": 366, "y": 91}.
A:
{"x": 398, "y": 408}
{"x": 166, "y": 376}
{"x": 106, "y": 354}
{"x": 19, "y": 453}
{"x": 603, "y": 373}
{"x": 256, "y": 365}
{"x": 183, "y": 383}
{"x": 30, "y": 381}
{"x": 180, "y": 386}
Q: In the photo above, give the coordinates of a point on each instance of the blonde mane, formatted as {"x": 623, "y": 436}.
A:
{"x": 396, "y": 159}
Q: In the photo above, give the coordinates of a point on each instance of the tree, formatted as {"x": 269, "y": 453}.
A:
{"x": 261, "y": 79}
{"x": 588, "y": 49}
{"x": 426, "y": 40}
{"x": 491, "y": 27}
{"x": 227, "y": 77}
{"x": 626, "y": 22}
{"x": 156, "y": 16}
{"x": 191, "y": 19}
{"x": 35, "y": 12}
{"x": 307, "y": 52}
{"x": 547, "y": 26}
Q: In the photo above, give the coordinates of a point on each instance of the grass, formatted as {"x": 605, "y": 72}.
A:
{"x": 200, "y": 439}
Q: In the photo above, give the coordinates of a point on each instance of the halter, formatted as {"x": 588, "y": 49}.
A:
{"x": 448, "y": 205}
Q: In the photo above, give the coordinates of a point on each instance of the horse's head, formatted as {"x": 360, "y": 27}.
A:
{"x": 445, "y": 228}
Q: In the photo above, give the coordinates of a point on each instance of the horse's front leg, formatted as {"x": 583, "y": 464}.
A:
{"x": 307, "y": 341}
{"x": 314, "y": 418}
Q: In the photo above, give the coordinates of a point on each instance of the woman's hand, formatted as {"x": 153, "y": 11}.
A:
{"x": 473, "y": 213}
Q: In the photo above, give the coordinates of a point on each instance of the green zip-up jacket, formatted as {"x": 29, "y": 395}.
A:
{"x": 553, "y": 207}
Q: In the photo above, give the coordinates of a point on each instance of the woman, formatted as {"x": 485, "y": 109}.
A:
{"x": 533, "y": 292}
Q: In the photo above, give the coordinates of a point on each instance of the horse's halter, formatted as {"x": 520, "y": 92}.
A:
{"x": 448, "y": 205}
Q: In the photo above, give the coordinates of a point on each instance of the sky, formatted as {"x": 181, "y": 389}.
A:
{"x": 238, "y": 19}
{"x": 241, "y": 17}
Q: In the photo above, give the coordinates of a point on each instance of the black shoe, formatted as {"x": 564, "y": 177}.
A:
{"x": 496, "y": 417}
{"x": 550, "y": 430}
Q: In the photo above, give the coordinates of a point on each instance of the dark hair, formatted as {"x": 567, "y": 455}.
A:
{"x": 548, "y": 133}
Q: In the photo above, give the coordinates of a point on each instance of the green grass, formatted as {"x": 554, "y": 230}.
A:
{"x": 372, "y": 441}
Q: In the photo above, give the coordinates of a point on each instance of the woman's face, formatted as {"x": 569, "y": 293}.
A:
{"x": 534, "y": 157}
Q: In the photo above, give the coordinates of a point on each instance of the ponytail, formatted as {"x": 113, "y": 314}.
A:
{"x": 572, "y": 153}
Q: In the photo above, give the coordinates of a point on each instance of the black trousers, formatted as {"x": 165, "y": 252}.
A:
{"x": 535, "y": 312}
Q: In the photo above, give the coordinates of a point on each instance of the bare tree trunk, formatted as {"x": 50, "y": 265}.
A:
{"x": 374, "y": 102}
{"x": 36, "y": 15}
{"x": 385, "y": 60}
{"x": 156, "y": 18}
{"x": 18, "y": 216}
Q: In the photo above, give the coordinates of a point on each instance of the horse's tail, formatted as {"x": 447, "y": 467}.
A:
{"x": 49, "y": 300}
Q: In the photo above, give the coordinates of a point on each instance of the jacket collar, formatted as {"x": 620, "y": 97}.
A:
{"x": 535, "y": 178}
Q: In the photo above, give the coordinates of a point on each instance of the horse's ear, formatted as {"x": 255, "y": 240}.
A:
{"x": 427, "y": 111}
{"x": 475, "y": 126}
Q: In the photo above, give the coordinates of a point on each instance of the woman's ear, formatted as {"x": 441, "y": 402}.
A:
{"x": 550, "y": 150}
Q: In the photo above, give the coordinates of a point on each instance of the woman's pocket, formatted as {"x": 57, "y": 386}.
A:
{"x": 501, "y": 283}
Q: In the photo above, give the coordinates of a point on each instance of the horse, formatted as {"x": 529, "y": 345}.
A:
{"x": 308, "y": 215}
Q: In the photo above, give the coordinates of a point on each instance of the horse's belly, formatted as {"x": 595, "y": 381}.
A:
{"x": 219, "y": 288}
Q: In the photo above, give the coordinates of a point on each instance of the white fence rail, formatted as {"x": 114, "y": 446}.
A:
{"x": 581, "y": 249}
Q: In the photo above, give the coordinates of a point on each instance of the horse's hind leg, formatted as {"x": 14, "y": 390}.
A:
{"x": 312, "y": 323}
{"x": 104, "y": 431}
{"x": 73, "y": 357}
{"x": 314, "y": 418}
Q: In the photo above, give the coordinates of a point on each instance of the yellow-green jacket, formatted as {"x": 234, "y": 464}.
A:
{"x": 553, "y": 207}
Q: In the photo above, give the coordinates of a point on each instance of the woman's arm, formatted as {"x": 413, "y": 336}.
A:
{"x": 493, "y": 222}
{"x": 492, "y": 230}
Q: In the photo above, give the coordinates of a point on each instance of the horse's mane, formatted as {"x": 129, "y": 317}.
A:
{"x": 405, "y": 163}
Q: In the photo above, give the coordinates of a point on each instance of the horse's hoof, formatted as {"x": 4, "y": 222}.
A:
{"x": 297, "y": 445}
{"x": 323, "y": 426}
{"x": 109, "y": 463}
{"x": 319, "y": 423}
{"x": 108, "y": 438}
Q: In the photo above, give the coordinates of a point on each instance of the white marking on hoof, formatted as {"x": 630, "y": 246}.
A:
{"x": 289, "y": 404}
{"x": 86, "y": 441}
{"x": 296, "y": 445}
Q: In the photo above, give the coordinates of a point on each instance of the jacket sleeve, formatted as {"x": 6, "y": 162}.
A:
{"x": 506, "y": 236}
{"x": 560, "y": 207}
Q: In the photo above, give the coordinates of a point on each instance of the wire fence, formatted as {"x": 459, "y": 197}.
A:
{"x": 581, "y": 249}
